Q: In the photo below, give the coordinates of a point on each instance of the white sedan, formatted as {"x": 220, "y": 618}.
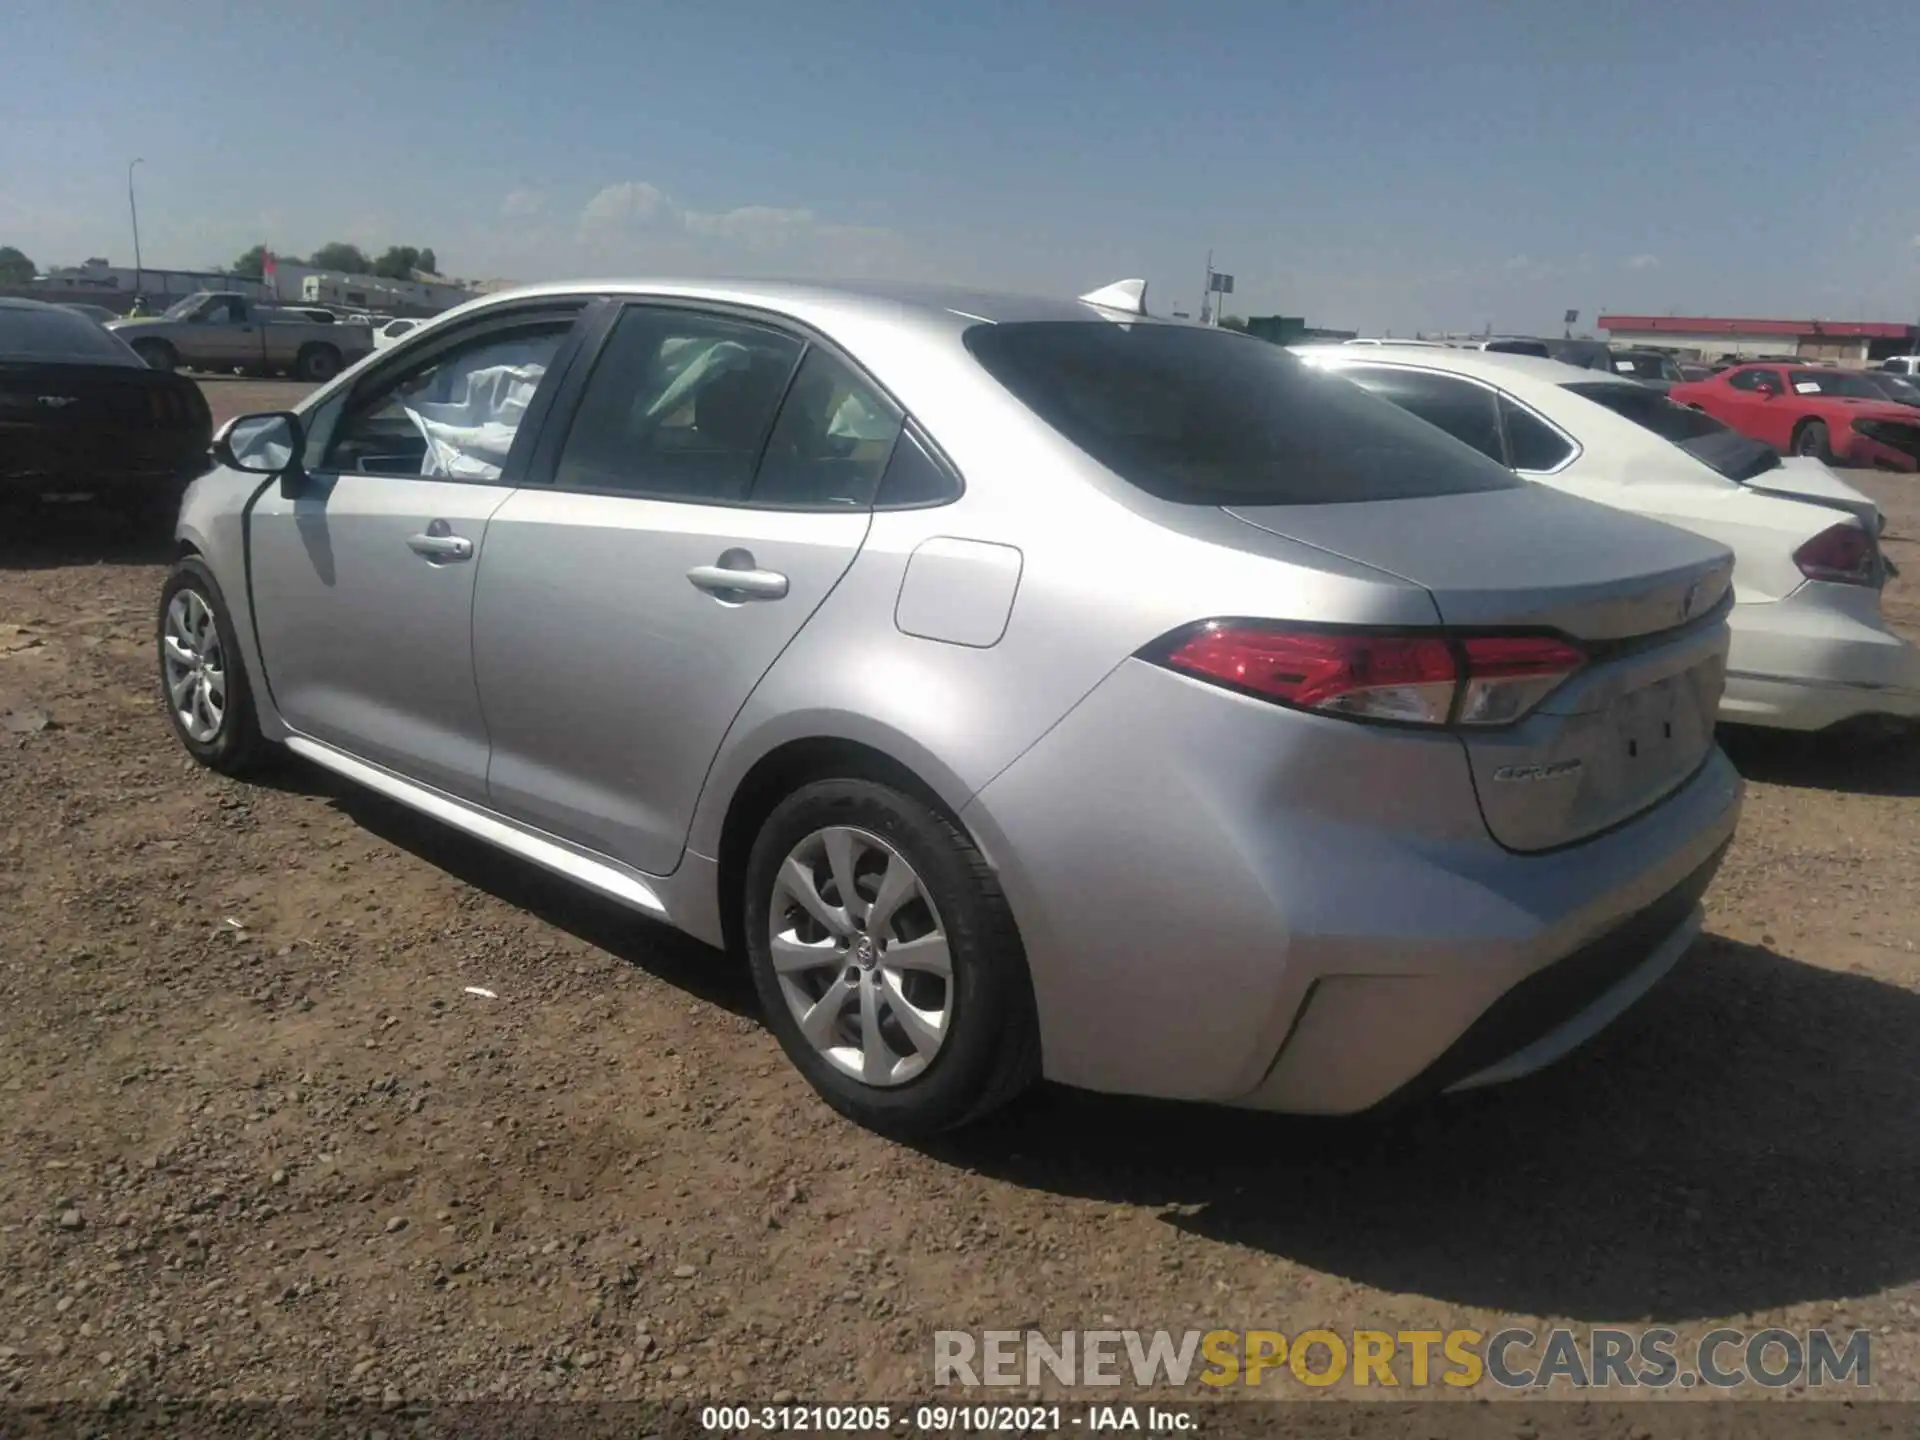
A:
{"x": 1810, "y": 649}
{"x": 394, "y": 330}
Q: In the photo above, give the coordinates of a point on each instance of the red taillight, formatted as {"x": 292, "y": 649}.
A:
{"x": 1842, "y": 554}
{"x": 1411, "y": 678}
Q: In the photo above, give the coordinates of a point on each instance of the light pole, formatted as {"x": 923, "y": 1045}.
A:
{"x": 134, "y": 211}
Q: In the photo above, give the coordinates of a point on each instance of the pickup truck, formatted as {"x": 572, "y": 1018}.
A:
{"x": 225, "y": 331}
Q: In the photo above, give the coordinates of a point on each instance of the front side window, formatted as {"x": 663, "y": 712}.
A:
{"x": 1753, "y": 381}
{"x": 1461, "y": 408}
{"x": 679, "y": 406}
{"x": 453, "y": 416}
{"x": 1201, "y": 416}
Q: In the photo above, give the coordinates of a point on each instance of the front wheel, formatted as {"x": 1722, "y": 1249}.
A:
{"x": 886, "y": 959}
{"x": 202, "y": 680}
{"x": 1811, "y": 440}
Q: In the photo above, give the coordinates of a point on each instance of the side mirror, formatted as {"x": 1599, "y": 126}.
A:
{"x": 264, "y": 444}
{"x": 1767, "y": 392}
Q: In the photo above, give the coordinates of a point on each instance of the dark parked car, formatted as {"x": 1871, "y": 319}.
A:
{"x": 82, "y": 415}
{"x": 1900, "y": 389}
{"x": 1651, "y": 368}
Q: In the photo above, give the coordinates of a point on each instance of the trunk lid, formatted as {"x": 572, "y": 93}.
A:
{"x": 1646, "y": 600}
{"x": 1799, "y": 477}
{"x": 69, "y": 417}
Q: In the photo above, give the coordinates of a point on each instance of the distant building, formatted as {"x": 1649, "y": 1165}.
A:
{"x": 1292, "y": 330}
{"x": 98, "y": 283}
{"x": 1846, "y": 342}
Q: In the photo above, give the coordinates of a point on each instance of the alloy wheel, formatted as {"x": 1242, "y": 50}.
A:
{"x": 861, "y": 956}
{"x": 195, "y": 666}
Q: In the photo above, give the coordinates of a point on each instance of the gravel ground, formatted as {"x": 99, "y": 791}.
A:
{"x": 258, "y": 1138}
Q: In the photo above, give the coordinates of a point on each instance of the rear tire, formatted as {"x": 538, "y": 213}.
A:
{"x": 936, "y": 1051}
{"x": 1811, "y": 440}
{"x": 193, "y": 610}
{"x": 317, "y": 363}
{"x": 158, "y": 354}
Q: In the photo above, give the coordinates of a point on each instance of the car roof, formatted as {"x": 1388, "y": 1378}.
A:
{"x": 1495, "y": 366}
{"x": 9, "y": 302}
{"x": 827, "y": 300}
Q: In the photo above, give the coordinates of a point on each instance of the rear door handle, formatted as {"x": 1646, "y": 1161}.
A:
{"x": 436, "y": 544}
{"x": 724, "y": 583}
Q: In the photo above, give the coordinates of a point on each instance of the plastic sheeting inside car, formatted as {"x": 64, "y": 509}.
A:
{"x": 469, "y": 410}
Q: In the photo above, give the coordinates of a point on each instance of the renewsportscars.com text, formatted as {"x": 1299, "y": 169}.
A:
{"x": 1513, "y": 1358}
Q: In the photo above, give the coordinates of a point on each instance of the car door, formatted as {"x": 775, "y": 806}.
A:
{"x": 202, "y": 342}
{"x": 363, "y": 581}
{"x": 712, "y": 482}
{"x": 1752, "y": 404}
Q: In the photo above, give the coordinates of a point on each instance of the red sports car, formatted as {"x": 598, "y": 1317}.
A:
{"x": 1833, "y": 415}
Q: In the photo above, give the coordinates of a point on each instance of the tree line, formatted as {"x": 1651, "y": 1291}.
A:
{"x": 397, "y": 262}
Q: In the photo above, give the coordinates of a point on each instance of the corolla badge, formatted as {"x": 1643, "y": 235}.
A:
{"x": 1552, "y": 770}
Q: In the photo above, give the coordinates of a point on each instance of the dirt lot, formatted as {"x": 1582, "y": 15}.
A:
{"x": 257, "y": 1139}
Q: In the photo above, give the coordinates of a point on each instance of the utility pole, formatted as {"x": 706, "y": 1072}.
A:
{"x": 1207, "y": 304}
{"x": 134, "y": 211}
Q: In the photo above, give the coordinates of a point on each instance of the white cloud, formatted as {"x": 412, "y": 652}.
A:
{"x": 1643, "y": 262}
{"x": 1526, "y": 268}
{"x": 523, "y": 204}
{"x": 634, "y": 222}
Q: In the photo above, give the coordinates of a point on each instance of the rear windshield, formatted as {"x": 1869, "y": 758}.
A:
{"x": 1723, "y": 450}
{"x": 1210, "y": 417}
{"x": 52, "y": 334}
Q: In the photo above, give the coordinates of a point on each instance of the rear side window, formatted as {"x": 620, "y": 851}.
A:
{"x": 832, "y": 441}
{"x": 1532, "y": 444}
{"x": 52, "y": 334}
{"x": 1208, "y": 417}
{"x": 1464, "y": 410}
{"x": 915, "y": 476}
{"x": 679, "y": 406}
{"x": 1755, "y": 380}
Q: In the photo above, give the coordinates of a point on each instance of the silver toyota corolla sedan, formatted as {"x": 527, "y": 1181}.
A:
{"x": 1024, "y": 686}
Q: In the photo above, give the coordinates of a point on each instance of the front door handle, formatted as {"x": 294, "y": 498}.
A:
{"x": 736, "y": 583}
{"x": 439, "y": 544}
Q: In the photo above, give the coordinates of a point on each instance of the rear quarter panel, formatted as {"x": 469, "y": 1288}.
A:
{"x": 1625, "y": 466}
{"x": 1100, "y": 576}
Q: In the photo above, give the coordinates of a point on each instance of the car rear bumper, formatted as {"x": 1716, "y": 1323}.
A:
{"x": 1819, "y": 658}
{"x": 1224, "y": 901}
{"x": 117, "y": 487}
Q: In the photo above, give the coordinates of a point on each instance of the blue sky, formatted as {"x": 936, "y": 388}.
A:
{"x": 1371, "y": 163}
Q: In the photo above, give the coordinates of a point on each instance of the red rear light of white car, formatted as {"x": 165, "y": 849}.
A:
{"x": 1431, "y": 678}
{"x": 1842, "y": 554}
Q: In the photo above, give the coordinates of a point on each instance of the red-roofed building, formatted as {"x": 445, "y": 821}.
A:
{"x": 1848, "y": 342}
